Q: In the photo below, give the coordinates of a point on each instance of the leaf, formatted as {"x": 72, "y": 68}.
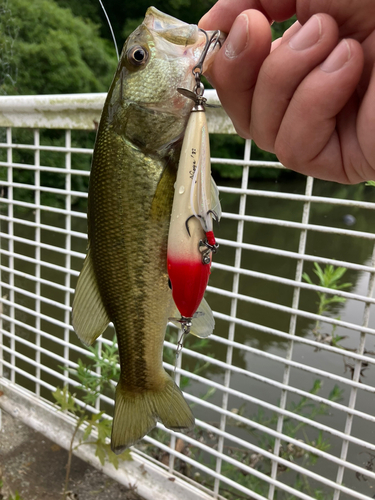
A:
{"x": 126, "y": 456}
{"x": 65, "y": 400}
{"x": 335, "y": 394}
{"x": 319, "y": 272}
{"x": 104, "y": 429}
{"x": 307, "y": 278}
{"x": 316, "y": 387}
{"x": 334, "y": 299}
{"x": 344, "y": 285}
{"x": 113, "y": 459}
{"x": 100, "y": 453}
{"x": 87, "y": 433}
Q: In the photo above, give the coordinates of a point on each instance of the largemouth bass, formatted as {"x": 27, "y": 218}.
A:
{"x": 124, "y": 277}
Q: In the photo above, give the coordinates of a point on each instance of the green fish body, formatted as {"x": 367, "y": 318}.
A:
{"x": 124, "y": 277}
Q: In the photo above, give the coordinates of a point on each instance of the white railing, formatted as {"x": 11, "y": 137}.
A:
{"x": 288, "y": 410}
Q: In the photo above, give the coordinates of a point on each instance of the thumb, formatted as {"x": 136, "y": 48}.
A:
{"x": 235, "y": 69}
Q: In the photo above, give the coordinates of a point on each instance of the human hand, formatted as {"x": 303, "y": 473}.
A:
{"x": 310, "y": 96}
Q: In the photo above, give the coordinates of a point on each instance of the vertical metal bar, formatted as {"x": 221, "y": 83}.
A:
{"x": 292, "y": 329}
{"x": 68, "y": 201}
{"x": 356, "y": 378}
{"x": 233, "y": 312}
{"x": 12, "y": 327}
{"x": 37, "y": 257}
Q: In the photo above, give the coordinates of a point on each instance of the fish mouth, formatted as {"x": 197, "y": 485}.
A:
{"x": 170, "y": 28}
{"x": 186, "y": 36}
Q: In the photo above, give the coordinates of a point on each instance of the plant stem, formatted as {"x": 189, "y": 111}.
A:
{"x": 68, "y": 465}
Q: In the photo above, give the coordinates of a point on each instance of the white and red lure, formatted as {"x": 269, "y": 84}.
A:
{"x": 191, "y": 239}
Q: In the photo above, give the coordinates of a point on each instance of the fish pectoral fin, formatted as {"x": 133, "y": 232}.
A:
{"x": 137, "y": 413}
{"x": 163, "y": 197}
{"x": 89, "y": 316}
{"x": 203, "y": 322}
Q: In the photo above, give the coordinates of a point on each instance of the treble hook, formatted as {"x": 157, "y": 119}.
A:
{"x": 214, "y": 38}
{"x": 197, "y": 94}
{"x": 212, "y": 212}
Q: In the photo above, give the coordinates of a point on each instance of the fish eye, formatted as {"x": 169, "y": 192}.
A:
{"x": 137, "y": 55}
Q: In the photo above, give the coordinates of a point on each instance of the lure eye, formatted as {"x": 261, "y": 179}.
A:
{"x": 137, "y": 56}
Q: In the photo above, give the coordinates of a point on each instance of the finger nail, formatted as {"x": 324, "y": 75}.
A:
{"x": 308, "y": 35}
{"x": 237, "y": 38}
{"x": 337, "y": 58}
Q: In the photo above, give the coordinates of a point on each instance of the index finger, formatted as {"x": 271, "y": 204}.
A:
{"x": 235, "y": 69}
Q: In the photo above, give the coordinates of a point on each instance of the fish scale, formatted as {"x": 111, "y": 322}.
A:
{"x": 129, "y": 256}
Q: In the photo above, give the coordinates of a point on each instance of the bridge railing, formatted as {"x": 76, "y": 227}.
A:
{"x": 283, "y": 391}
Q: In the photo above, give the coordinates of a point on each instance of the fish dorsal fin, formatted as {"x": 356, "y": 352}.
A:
{"x": 89, "y": 317}
{"x": 203, "y": 321}
{"x": 215, "y": 201}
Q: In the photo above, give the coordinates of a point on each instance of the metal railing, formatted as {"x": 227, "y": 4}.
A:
{"x": 283, "y": 391}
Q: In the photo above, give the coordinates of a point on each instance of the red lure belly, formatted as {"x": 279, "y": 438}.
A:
{"x": 189, "y": 280}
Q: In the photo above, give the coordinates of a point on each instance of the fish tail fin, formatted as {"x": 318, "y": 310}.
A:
{"x": 137, "y": 413}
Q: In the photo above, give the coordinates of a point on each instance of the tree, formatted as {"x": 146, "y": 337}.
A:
{"x": 46, "y": 50}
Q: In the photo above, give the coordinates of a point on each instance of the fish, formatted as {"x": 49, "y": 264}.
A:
{"x": 124, "y": 279}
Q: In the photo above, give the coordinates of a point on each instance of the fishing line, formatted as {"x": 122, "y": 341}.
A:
{"x": 110, "y": 27}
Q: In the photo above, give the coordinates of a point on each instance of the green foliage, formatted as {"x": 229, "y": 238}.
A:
{"x": 49, "y": 51}
{"x": 8, "y": 34}
{"x": 66, "y": 400}
{"x": 370, "y": 183}
{"x": 279, "y": 27}
{"x": 328, "y": 278}
{"x": 106, "y": 359}
{"x": 96, "y": 427}
{"x": 85, "y": 9}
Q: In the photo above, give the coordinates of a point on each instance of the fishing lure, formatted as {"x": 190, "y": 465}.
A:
{"x": 191, "y": 240}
